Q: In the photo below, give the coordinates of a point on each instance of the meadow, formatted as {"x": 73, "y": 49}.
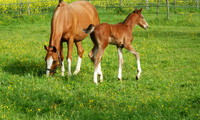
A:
{"x": 168, "y": 89}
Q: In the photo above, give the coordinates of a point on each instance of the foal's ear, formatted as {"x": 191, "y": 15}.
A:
{"x": 135, "y": 11}
{"x": 140, "y": 10}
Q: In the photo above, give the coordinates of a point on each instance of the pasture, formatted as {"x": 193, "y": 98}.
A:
{"x": 168, "y": 89}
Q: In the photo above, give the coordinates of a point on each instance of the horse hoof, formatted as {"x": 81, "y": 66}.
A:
{"x": 62, "y": 74}
{"x": 120, "y": 79}
{"x": 137, "y": 78}
{"x": 101, "y": 80}
{"x": 96, "y": 83}
{"x": 75, "y": 72}
{"x": 69, "y": 74}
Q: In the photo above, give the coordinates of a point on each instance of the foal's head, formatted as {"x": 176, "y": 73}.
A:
{"x": 140, "y": 19}
{"x": 137, "y": 18}
{"x": 53, "y": 59}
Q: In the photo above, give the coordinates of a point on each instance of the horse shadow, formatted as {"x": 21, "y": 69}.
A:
{"x": 25, "y": 68}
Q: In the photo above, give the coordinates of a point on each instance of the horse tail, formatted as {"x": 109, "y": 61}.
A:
{"x": 90, "y": 29}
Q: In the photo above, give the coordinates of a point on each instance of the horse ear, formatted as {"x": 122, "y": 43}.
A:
{"x": 140, "y": 10}
{"x": 135, "y": 11}
{"x": 45, "y": 47}
{"x": 54, "y": 49}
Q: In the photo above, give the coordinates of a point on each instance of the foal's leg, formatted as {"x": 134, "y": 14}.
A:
{"x": 93, "y": 52}
{"x": 80, "y": 51}
{"x": 70, "y": 43}
{"x": 133, "y": 51}
{"x": 100, "y": 72}
{"x": 62, "y": 59}
{"x": 97, "y": 64}
{"x": 120, "y": 57}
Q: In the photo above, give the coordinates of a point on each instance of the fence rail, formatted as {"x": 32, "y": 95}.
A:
{"x": 168, "y": 7}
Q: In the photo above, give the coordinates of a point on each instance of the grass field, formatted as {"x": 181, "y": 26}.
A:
{"x": 168, "y": 89}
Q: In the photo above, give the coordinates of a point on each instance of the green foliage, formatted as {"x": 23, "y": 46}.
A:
{"x": 168, "y": 88}
{"x": 26, "y": 7}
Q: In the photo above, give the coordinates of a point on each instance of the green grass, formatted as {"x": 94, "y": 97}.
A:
{"x": 168, "y": 89}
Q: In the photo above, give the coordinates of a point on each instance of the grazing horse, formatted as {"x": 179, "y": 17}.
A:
{"x": 118, "y": 34}
{"x": 66, "y": 26}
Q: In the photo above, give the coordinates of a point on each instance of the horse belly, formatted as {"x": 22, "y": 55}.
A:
{"x": 115, "y": 41}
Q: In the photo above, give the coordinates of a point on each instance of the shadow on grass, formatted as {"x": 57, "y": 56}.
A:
{"x": 24, "y": 68}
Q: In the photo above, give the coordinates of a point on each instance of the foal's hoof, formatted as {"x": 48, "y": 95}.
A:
{"x": 76, "y": 72}
{"x": 137, "y": 78}
{"x": 69, "y": 74}
{"x": 90, "y": 55}
{"x": 120, "y": 79}
{"x": 101, "y": 80}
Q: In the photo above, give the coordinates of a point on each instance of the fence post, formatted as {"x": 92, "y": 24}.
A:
{"x": 147, "y": 4}
{"x": 197, "y": 4}
{"x": 167, "y": 4}
{"x": 120, "y": 3}
{"x": 174, "y": 6}
{"x": 158, "y": 4}
{"x": 29, "y": 7}
{"x": 20, "y": 10}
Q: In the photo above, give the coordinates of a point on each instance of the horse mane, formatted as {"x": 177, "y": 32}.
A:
{"x": 135, "y": 11}
{"x": 127, "y": 18}
{"x": 54, "y": 19}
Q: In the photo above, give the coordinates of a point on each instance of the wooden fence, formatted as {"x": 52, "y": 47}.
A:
{"x": 168, "y": 7}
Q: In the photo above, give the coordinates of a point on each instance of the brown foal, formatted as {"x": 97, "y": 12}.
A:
{"x": 66, "y": 26}
{"x": 118, "y": 34}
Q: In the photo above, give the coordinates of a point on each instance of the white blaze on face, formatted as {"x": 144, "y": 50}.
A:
{"x": 49, "y": 64}
{"x": 146, "y": 24}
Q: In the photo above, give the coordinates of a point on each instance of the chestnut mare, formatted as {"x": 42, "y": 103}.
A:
{"x": 118, "y": 34}
{"x": 66, "y": 26}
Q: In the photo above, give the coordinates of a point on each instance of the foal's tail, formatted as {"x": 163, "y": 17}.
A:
{"x": 90, "y": 29}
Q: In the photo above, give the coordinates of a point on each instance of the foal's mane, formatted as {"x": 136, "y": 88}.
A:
{"x": 135, "y": 11}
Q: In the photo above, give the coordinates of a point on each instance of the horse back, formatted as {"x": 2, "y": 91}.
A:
{"x": 84, "y": 14}
{"x": 69, "y": 19}
{"x": 112, "y": 33}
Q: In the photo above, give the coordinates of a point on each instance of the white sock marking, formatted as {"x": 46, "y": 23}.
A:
{"x": 69, "y": 66}
{"x": 139, "y": 68}
{"x": 120, "y": 63}
{"x": 78, "y": 66}
{"x": 62, "y": 69}
{"x": 96, "y": 74}
{"x": 100, "y": 72}
{"x": 49, "y": 64}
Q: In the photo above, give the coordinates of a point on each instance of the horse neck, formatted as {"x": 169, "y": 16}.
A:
{"x": 57, "y": 29}
{"x": 130, "y": 20}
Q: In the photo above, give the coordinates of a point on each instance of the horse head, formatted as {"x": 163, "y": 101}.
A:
{"x": 140, "y": 19}
{"x": 53, "y": 59}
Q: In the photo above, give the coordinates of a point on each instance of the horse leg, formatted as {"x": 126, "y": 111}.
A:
{"x": 133, "y": 51}
{"x": 93, "y": 53}
{"x": 70, "y": 43}
{"x": 80, "y": 51}
{"x": 94, "y": 50}
{"x": 97, "y": 64}
{"x": 120, "y": 57}
{"x": 62, "y": 59}
{"x": 100, "y": 72}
